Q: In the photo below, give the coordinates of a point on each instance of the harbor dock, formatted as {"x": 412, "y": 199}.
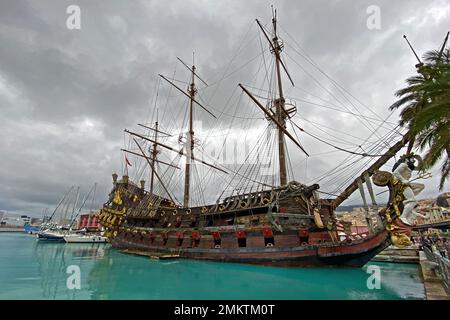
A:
{"x": 434, "y": 270}
{"x": 393, "y": 254}
{"x": 152, "y": 255}
{"x": 11, "y": 229}
{"x": 436, "y": 275}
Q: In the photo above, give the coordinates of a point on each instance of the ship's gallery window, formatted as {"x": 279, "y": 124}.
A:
{"x": 180, "y": 237}
{"x": 242, "y": 238}
{"x": 242, "y": 242}
{"x": 195, "y": 239}
{"x": 195, "y": 242}
{"x": 217, "y": 239}
{"x": 164, "y": 238}
{"x": 269, "y": 242}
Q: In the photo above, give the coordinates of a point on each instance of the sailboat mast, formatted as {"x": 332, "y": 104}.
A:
{"x": 93, "y": 197}
{"x": 280, "y": 113}
{"x": 190, "y": 142}
{"x": 75, "y": 203}
{"x": 154, "y": 151}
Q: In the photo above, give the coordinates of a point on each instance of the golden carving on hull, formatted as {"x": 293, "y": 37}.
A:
{"x": 318, "y": 220}
{"x": 117, "y": 199}
{"x": 400, "y": 240}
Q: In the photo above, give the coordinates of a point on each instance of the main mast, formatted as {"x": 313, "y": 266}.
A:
{"x": 280, "y": 113}
{"x": 190, "y": 142}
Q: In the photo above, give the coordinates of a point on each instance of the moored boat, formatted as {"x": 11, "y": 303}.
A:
{"x": 57, "y": 230}
{"x": 84, "y": 238}
{"x": 31, "y": 229}
{"x": 50, "y": 235}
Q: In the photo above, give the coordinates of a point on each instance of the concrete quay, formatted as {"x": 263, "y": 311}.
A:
{"x": 396, "y": 255}
{"x": 434, "y": 285}
{"x": 11, "y": 229}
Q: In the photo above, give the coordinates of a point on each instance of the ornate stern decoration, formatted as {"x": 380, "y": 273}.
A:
{"x": 124, "y": 196}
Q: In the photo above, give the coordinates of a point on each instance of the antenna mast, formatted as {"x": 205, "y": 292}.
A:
{"x": 443, "y": 45}
{"x": 412, "y": 49}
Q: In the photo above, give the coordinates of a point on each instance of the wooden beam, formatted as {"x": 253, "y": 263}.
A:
{"x": 273, "y": 119}
{"x": 158, "y": 131}
{"x": 181, "y": 90}
{"x": 195, "y": 73}
{"x": 153, "y": 168}
{"x": 371, "y": 170}
{"x": 174, "y": 150}
{"x": 273, "y": 48}
{"x": 150, "y": 158}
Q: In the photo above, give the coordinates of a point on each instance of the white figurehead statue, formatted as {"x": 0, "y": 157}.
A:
{"x": 403, "y": 171}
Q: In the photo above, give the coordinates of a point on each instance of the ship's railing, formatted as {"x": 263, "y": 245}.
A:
{"x": 442, "y": 268}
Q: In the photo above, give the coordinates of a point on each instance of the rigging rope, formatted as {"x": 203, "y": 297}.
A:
{"x": 334, "y": 146}
{"x": 314, "y": 64}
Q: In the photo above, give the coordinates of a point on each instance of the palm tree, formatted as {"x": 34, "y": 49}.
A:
{"x": 426, "y": 110}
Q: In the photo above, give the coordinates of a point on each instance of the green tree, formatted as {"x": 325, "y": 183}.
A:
{"x": 425, "y": 104}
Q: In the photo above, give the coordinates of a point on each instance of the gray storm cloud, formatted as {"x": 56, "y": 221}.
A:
{"x": 66, "y": 95}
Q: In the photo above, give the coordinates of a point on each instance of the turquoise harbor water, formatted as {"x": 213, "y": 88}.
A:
{"x": 35, "y": 270}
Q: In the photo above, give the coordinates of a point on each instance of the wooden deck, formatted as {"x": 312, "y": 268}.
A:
{"x": 152, "y": 255}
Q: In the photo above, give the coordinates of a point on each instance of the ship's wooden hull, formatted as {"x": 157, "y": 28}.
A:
{"x": 279, "y": 227}
{"x": 354, "y": 254}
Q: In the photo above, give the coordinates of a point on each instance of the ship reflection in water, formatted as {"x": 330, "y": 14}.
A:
{"x": 33, "y": 270}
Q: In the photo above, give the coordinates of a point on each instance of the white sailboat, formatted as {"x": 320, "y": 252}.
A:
{"x": 84, "y": 238}
{"x": 51, "y": 230}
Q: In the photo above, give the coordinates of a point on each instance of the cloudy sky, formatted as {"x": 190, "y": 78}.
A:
{"x": 66, "y": 95}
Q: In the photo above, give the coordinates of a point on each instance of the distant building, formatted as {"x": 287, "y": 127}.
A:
{"x": 357, "y": 217}
{"x": 36, "y": 221}
{"x": 443, "y": 200}
{"x": 436, "y": 210}
{"x": 14, "y": 220}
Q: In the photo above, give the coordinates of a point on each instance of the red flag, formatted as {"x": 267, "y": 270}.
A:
{"x": 128, "y": 162}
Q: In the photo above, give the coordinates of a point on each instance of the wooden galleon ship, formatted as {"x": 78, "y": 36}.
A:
{"x": 282, "y": 223}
